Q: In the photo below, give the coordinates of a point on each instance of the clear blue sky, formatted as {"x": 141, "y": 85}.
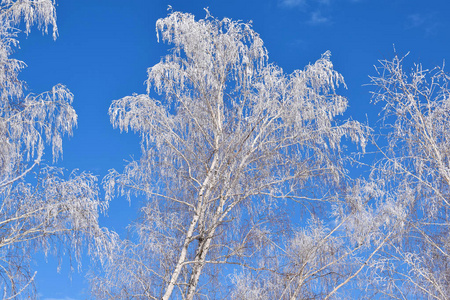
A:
{"x": 105, "y": 47}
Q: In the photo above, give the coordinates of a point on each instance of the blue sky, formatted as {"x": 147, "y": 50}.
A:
{"x": 105, "y": 47}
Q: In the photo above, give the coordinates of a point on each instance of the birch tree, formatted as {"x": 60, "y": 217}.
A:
{"x": 413, "y": 175}
{"x": 228, "y": 139}
{"x": 47, "y": 212}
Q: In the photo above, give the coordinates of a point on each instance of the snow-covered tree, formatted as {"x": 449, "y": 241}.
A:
{"x": 412, "y": 180}
{"x": 231, "y": 146}
{"x": 47, "y": 212}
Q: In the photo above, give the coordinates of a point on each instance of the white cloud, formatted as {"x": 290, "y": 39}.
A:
{"x": 416, "y": 20}
{"x": 310, "y": 3}
{"x": 427, "y": 22}
{"x": 292, "y": 3}
{"x": 316, "y": 9}
{"x": 317, "y": 12}
{"x": 303, "y": 3}
{"x": 317, "y": 18}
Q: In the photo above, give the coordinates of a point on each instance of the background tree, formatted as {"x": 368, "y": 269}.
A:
{"x": 48, "y": 212}
{"x": 232, "y": 140}
{"x": 409, "y": 184}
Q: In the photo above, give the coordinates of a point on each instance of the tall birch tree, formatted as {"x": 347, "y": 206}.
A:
{"x": 227, "y": 140}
